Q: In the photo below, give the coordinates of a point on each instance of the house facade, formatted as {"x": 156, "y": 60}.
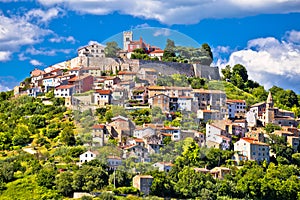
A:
{"x": 143, "y": 183}
{"x": 88, "y": 156}
{"x": 252, "y": 149}
{"x": 103, "y": 97}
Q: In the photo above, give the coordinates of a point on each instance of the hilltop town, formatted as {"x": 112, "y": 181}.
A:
{"x": 143, "y": 110}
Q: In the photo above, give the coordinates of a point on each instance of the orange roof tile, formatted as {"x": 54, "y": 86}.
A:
{"x": 157, "y": 51}
{"x": 253, "y": 141}
{"x": 235, "y": 101}
{"x": 104, "y": 92}
{"x": 126, "y": 73}
{"x": 98, "y": 126}
{"x": 64, "y": 87}
{"x": 139, "y": 140}
{"x": 37, "y": 72}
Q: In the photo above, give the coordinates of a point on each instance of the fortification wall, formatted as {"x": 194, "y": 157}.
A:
{"x": 166, "y": 68}
{"x": 204, "y": 71}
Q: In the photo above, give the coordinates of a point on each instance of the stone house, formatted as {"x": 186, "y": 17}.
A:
{"x": 82, "y": 83}
{"x": 126, "y": 75}
{"x": 160, "y": 100}
{"x": 207, "y": 115}
{"x": 141, "y": 132}
{"x": 219, "y": 172}
{"x": 153, "y": 143}
{"x": 100, "y": 135}
{"x": 119, "y": 96}
{"x": 121, "y": 128}
{"x": 142, "y": 183}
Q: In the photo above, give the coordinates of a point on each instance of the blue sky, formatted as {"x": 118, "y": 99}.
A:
{"x": 264, "y": 36}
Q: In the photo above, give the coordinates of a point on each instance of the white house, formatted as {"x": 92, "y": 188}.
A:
{"x": 252, "y": 149}
{"x": 92, "y": 50}
{"x": 163, "y": 166}
{"x": 173, "y": 131}
{"x": 217, "y": 136}
{"x": 51, "y": 81}
{"x": 103, "y": 97}
{"x": 157, "y": 53}
{"x": 88, "y": 156}
{"x": 236, "y": 107}
{"x": 64, "y": 91}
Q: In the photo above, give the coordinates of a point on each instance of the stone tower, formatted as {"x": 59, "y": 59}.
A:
{"x": 269, "y": 115}
{"x": 127, "y": 37}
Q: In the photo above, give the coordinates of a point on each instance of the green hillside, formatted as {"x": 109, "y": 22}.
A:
{"x": 232, "y": 92}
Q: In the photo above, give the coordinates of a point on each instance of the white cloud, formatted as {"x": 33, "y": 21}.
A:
{"x": 16, "y": 32}
{"x": 44, "y": 16}
{"x": 178, "y": 11}
{"x": 59, "y": 39}
{"x": 46, "y": 52}
{"x": 5, "y": 55}
{"x": 4, "y": 88}
{"x": 293, "y": 36}
{"x": 162, "y": 32}
{"x": 19, "y": 30}
{"x": 270, "y": 62}
{"x": 144, "y": 25}
{"x": 7, "y": 83}
{"x": 22, "y": 57}
{"x": 35, "y": 62}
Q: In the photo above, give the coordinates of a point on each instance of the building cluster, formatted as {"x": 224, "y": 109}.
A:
{"x": 84, "y": 85}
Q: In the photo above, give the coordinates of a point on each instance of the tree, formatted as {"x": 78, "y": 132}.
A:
{"x": 170, "y": 45}
{"x": 111, "y": 49}
{"x": 46, "y": 176}
{"x": 207, "y": 48}
{"x": 63, "y": 183}
{"x": 239, "y": 69}
{"x": 270, "y": 128}
{"x": 21, "y": 135}
{"x": 190, "y": 183}
{"x": 67, "y": 136}
{"x": 226, "y": 72}
{"x": 89, "y": 178}
{"x": 161, "y": 185}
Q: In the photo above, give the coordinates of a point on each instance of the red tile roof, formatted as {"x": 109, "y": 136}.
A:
{"x": 126, "y": 73}
{"x": 139, "y": 140}
{"x": 235, "y": 101}
{"x": 75, "y": 69}
{"x": 98, "y": 126}
{"x": 253, "y": 141}
{"x": 157, "y": 51}
{"x": 64, "y": 87}
{"x": 104, "y": 92}
{"x": 37, "y": 72}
